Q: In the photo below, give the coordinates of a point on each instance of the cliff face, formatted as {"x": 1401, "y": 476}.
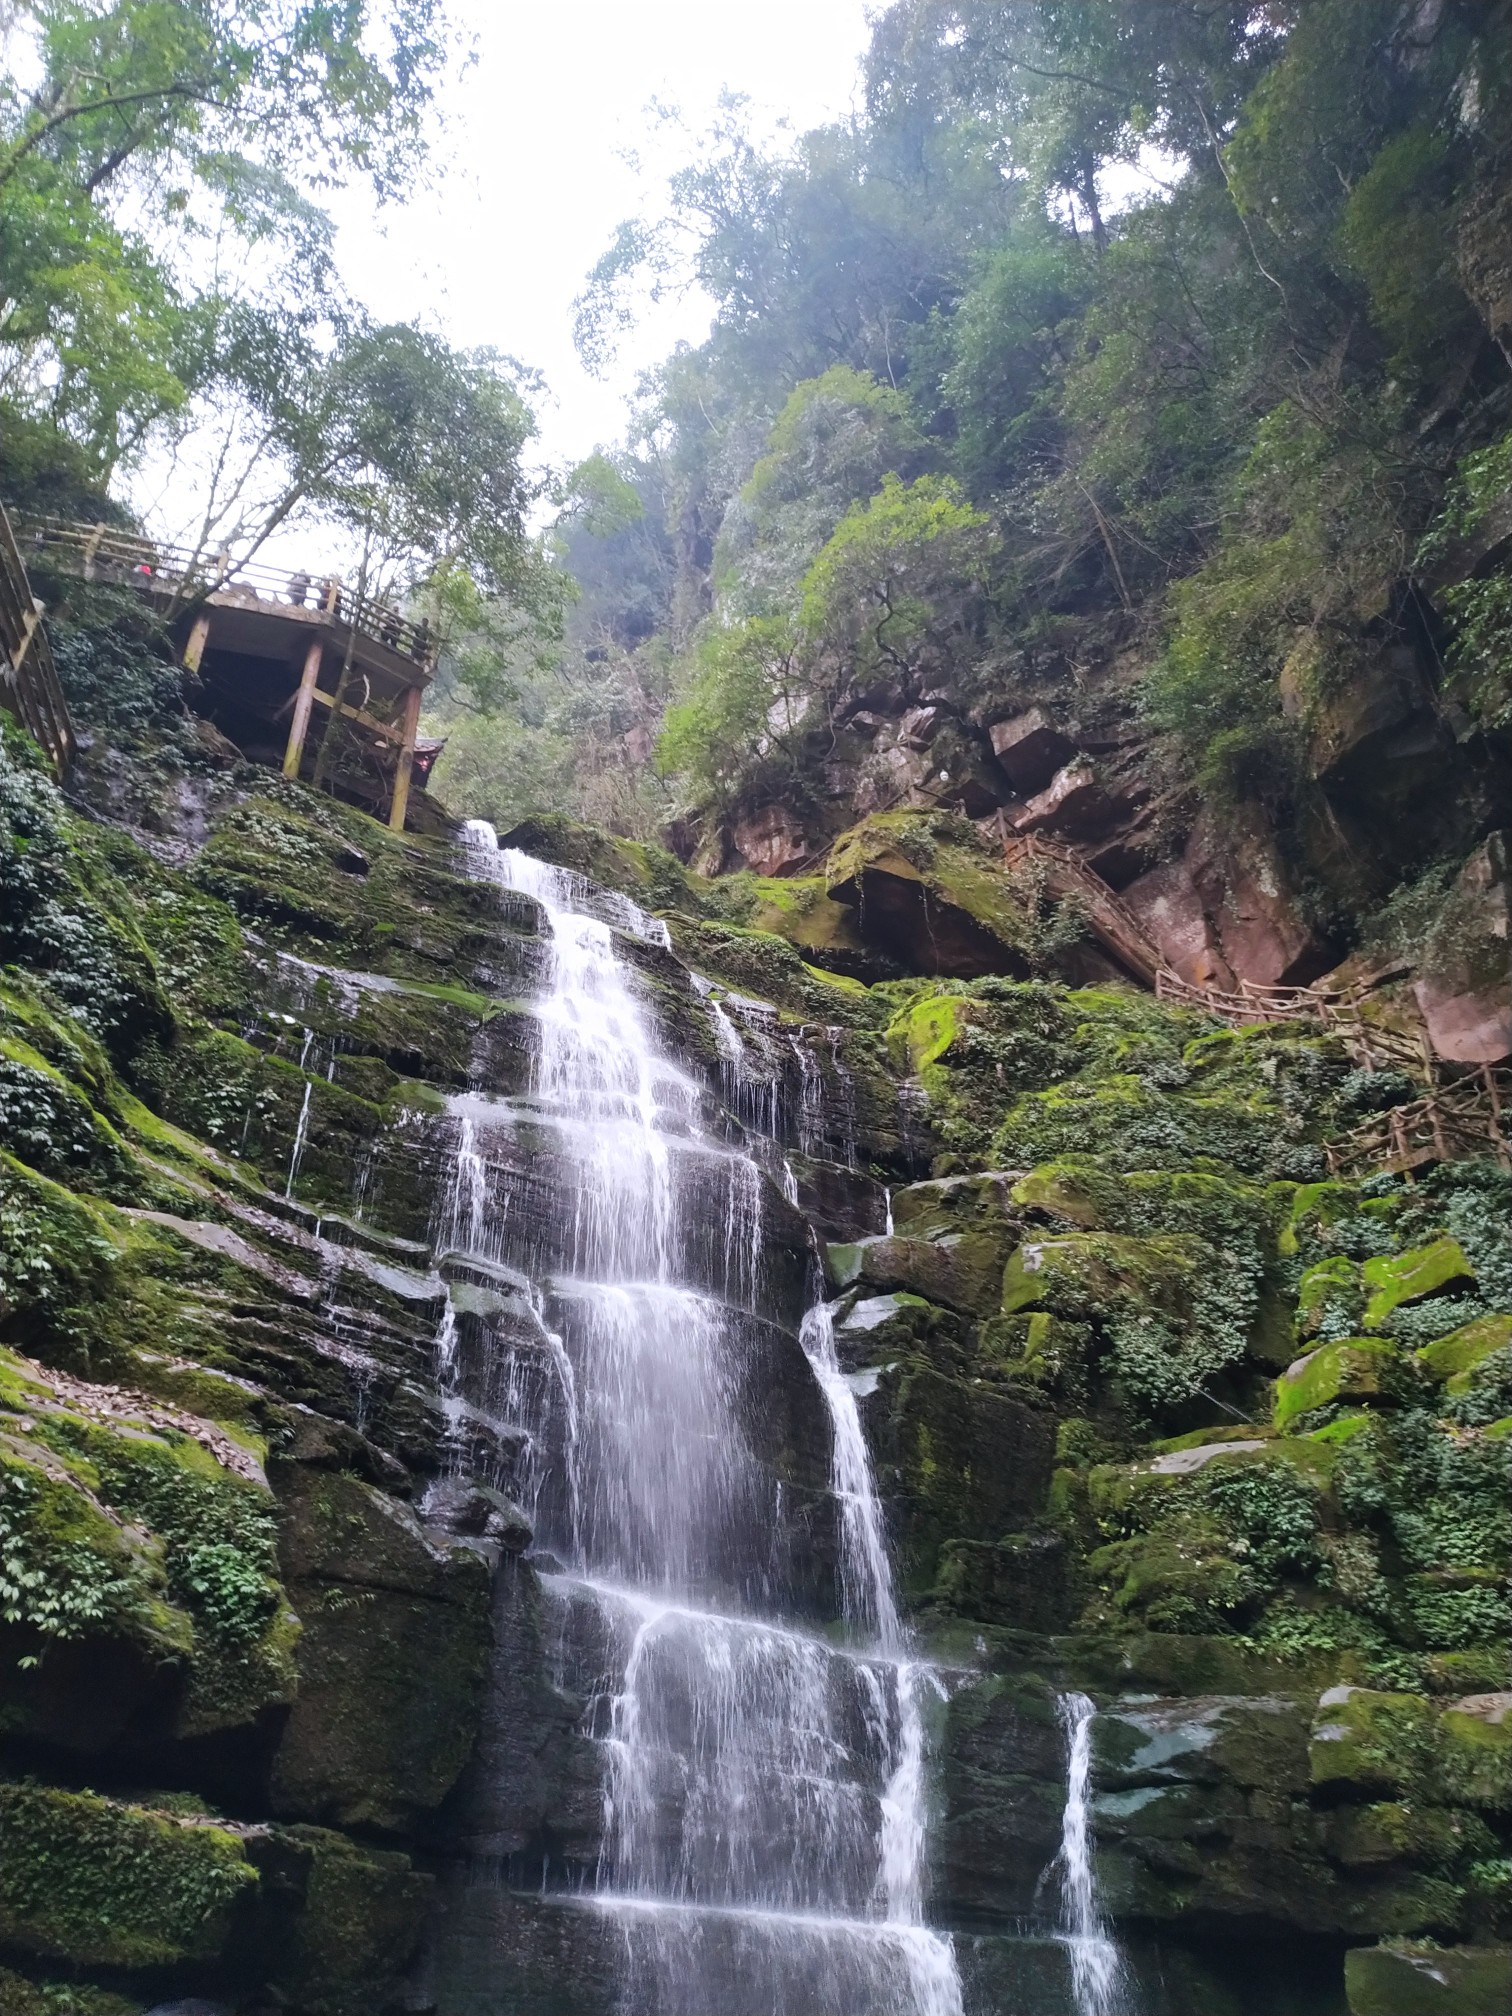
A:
{"x": 1157, "y": 1408}
{"x": 1051, "y": 746}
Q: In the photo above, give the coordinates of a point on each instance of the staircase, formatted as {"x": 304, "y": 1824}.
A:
{"x": 29, "y": 686}
{"x": 1066, "y": 876}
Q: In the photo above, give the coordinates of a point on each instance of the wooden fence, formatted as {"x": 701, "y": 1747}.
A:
{"x": 29, "y": 686}
{"x": 1461, "y": 1121}
{"x": 177, "y": 577}
{"x": 1112, "y": 923}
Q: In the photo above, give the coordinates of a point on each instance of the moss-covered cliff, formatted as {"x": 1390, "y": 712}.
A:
{"x": 1156, "y": 1408}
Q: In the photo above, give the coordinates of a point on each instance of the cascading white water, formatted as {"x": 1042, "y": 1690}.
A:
{"x": 764, "y": 1791}
{"x": 1097, "y": 1972}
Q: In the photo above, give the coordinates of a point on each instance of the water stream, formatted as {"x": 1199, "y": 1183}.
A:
{"x": 1097, "y": 1973}
{"x": 764, "y": 1827}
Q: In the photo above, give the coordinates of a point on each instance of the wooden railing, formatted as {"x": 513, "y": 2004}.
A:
{"x": 1460, "y": 1121}
{"x": 1112, "y": 923}
{"x": 181, "y": 576}
{"x": 28, "y": 678}
{"x": 1371, "y": 1044}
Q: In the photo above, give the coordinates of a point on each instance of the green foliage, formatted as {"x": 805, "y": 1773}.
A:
{"x": 1315, "y": 544}
{"x": 894, "y": 573}
{"x": 836, "y": 439}
{"x": 93, "y": 1880}
{"x": 748, "y": 696}
{"x": 158, "y": 124}
{"x": 1479, "y": 607}
{"x": 65, "y": 912}
{"x": 63, "y": 1573}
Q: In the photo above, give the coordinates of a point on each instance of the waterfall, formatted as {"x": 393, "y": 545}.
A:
{"x": 764, "y": 1789}
{"x": 1097, "y": 1974}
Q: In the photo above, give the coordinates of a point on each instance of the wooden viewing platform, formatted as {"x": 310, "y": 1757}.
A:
{"x": 29, "y": 686}
{"x": 270, "y": 648}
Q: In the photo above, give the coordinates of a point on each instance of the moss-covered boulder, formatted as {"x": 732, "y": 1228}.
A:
{"x": 1351, "y": 1369}
{"x": 956, "y": 1460}
{"x": 1453, "y": 1359}
{"x": 1431, "y": 1980}
{"x": 932, "y": 892}
{"x": 1394, "y": 1280}
{"x": 339, "y": 1920}
{"x": 391, "y": 1656}
{"x": 962, "y": 1270}
{"x": 880, "y": 1330}
{"x": 1369, "y": 1742}
{"x": 99, "y": 1882}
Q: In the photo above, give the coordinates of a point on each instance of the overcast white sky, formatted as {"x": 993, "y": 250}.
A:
{"x": 533, "y": 182}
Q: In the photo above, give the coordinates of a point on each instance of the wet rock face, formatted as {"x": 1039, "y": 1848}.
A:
{"x": 1155, "y": 1411}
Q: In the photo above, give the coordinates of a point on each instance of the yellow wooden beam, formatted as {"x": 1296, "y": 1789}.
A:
{"x": 299, "y": 727}
{"x": 400, "y": 805}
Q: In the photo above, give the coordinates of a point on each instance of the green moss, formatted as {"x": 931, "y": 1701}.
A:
{"x": 1353, "y": 1368}
{"x": 1451, "y": 1358}
{"x": 21, "y": 1997}
{"x": 1375, "y": 1741}
{"x": 1428, "y": 1980}
{"x": 1393, "y": 1280}
{"x": 98, "y": 1882}
{"x": 1474, "y": 1758}
{"x": 362, "y": 1912}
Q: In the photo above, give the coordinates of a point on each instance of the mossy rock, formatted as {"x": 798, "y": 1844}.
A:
{"x": 932, "y": 893}
{"x": 1040, "y": 1350}
{"x": 649, "y": 874}
{"x": 1351, "y": 1369}
{"x": 1475, "y": 1752}
{"x": 879, "y": 1330}
{"x": 1450, "y": 1360}
{"x": 1366, "y": 1740}
{"x": 22, "y": 1997}
{"x": 342, "y": 1920}
{"x": 962, "y": 1270}
{"x": 1330, "y": 1292}
{"x": 392, "y": 1657}
{"x": 1406, "y": 1980}
{"x": 1020, "y": 1580}
{"x": 823, "y": 931}
{"x": 1395, "y": 1280}
{"x": 956, "y": 1459}
{"x": 1393, "y": 1831}
{"x": 99, "y": 1882}
{"x": 1086, "y": 1275}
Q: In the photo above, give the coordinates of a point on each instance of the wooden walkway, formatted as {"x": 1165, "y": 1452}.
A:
{"x": 1371, "y": 1044}
{"x": 29, "y": 686}
{"x": 275, "y": 652}
{"x": 176, "y": 577}
{"x": 1459, "y": 1117}
{"x": 1066, "y": 874}
{"x": 1461, "y": 1121}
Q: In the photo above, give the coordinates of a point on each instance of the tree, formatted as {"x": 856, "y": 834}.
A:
{"x": 157, "y": 131}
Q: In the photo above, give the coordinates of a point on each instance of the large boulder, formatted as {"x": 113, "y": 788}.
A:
{"x": 932, "y": 892}
{"x": 391, "y": 1659}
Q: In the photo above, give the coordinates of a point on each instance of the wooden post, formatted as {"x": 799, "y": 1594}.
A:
{"x": 194, "y": 643}
{"x": 406, "y": 761}
{"x": 304, "y": 701}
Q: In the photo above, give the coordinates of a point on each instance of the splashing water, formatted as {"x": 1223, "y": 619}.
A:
{"x": 764, "y": 1813}
{"x": 1097, "y": 1970}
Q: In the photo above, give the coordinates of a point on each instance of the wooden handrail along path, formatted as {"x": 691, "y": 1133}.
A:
{"x": 181, "y": 576}
{"x": 1111, "y": 923}
{"x": 247, "y": 612}
{"x": 1462, "y": 1116}
{"x": 29, "y": 686}
{"x": 1453, "y": 1122}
